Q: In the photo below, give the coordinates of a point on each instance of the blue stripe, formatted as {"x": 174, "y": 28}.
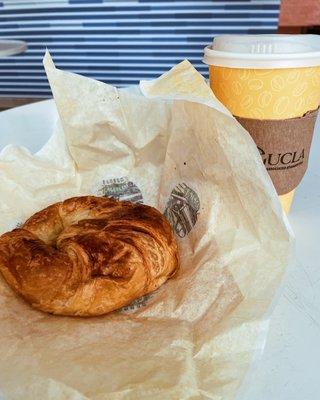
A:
{"x": 84, "y": 61}
{"x": 177, "y": 24}
{"x": 207, "y": 15}
{"x": 136, "y": 8}
{"x": 42, "y": 76}
{"x": 105, "y": 68}
{"x": 164, "y": 23}
{"x": 43, "y": 79}
{"x": 153, "y": 57}
{"x": 120, "y": 32}
{"x": 79, "y": 47}
{"x": 35, "y": 94}
{"x": 202, "y": 39}
{"x": 34, "y": 87}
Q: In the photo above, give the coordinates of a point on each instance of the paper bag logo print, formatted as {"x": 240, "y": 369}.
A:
{"x": 280, "y": 161}
{"x": 121, "y": 189}
{"x": 138, "y": 303}
{"x": 182, "y": 209}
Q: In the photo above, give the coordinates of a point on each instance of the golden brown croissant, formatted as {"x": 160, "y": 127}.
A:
{"x": 89, "y": 255}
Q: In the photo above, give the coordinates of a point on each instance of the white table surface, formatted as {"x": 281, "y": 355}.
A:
{"x": 289, "y": 368}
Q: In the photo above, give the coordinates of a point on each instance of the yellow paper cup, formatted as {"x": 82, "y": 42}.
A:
{"x": 267, "y": 93}
{"x": 266, "y": 77}
{"x": 286, "y": 201}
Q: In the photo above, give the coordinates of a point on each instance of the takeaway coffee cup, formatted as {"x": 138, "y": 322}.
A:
{"x": 271, "y": 84}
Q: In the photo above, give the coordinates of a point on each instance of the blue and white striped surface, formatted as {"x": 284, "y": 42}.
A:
{"x": 119, "y": 42}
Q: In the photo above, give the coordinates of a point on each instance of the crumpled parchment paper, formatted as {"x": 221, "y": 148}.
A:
{"x": 194, "y": 338}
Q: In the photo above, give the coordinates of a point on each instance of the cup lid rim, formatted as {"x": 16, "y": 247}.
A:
{"x": 263, "y": 51}
{"x": 260, "y": 61}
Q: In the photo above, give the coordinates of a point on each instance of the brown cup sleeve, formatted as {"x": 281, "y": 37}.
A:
{"x": 284, "y": 146}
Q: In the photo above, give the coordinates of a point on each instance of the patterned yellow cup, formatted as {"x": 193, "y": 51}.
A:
{"x": 266, "y": 77}
{"x": 267, "y": 93}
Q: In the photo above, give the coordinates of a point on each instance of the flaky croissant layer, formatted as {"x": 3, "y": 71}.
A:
{"x": 89, "y": 255}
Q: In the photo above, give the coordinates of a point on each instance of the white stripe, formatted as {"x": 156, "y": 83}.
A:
{"x": 34, "y": 5}
{"x": 26, "y": 90}
{"x": 116, "y": 13}
{"x": 28, "y": 85}
{"x": 181, "y": 42}
{"x": 122, "y": 59}
{"x": 12, "y": 5}
{"x": 101, "y": 71}
{"x": 13, "y": 80}
{"x": 146, "y": 35}
{"x": 33, "y": 2}
{"x": 139, "y": 61}
{"x": 84, "y": 69}
{"x": 88, "y": 64}
{"x": 131, "y": 3}
{"x": 131, "y": 55}
{"x": 111, "y": 51}
{"x": 141, "y": 21}
{"x": 113, "y": 32}
{"x": 132, "y": 28}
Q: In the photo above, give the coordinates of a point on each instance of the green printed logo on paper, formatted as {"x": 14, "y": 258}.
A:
{"x": 121, "y": 189}
{"x": 182, "y": 209}
{"x": 138, "y": 303}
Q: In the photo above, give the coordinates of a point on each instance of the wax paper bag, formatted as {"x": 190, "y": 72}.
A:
{"x": 194, "y": 337}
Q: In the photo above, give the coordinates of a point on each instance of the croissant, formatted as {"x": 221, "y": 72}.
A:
{"x": 89, "y": 255}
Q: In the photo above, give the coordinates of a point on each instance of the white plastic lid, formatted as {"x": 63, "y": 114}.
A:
{"x": 12, "y": 47}
{"x": 264, "y": 51}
